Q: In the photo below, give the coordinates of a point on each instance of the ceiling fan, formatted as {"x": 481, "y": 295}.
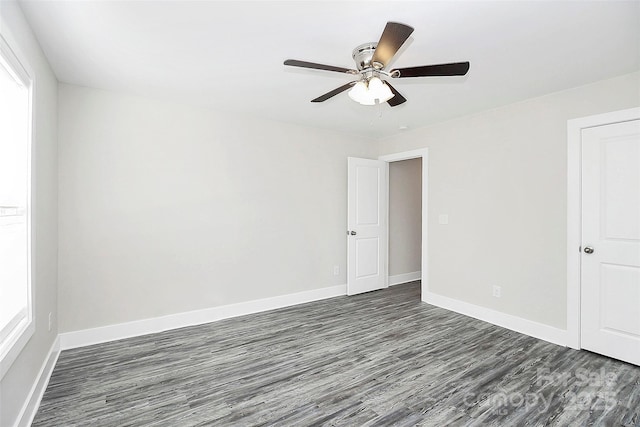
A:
{"x": 372, "y": 60}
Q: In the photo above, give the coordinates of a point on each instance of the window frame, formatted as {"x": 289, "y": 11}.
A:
{"x": 20, "y": 335}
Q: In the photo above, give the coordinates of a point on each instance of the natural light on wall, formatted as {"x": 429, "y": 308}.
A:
{"x": 15, "y": 142}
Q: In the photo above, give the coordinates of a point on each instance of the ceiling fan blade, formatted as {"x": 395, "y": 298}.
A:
{"x": 333, "y": 92}
{"x": 393, "y": 36}
{"x": 397, "y": 99}
{"x": 454, "y": 69}
{"x": 313, "y": 65}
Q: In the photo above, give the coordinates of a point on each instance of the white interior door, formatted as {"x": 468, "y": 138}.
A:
{"x": 610, "y": 272}
{"x": 367, "y": 245}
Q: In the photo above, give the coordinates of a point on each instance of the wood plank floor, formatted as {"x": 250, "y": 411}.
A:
{"x": 382, "y": 358}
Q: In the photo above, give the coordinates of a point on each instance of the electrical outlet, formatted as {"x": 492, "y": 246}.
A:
{"x": 336, "y": 270}
{"x": 497, "y": 291}
{"x": 50, "y": 321}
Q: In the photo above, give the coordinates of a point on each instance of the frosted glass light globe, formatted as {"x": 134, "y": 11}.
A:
{"x": 378, "y": 90}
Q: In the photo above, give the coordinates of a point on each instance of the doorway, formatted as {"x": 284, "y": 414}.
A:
{"x": 420, "y": 155}
{"x": 367, "y": 222}
{"x": 405, "y": 221}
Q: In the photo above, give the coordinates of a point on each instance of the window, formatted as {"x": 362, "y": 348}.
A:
{"x": 16, "y": 314}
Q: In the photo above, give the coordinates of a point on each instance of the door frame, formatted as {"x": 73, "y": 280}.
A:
{"x": 574, "y": 210}
{"x": 422, "y": 153}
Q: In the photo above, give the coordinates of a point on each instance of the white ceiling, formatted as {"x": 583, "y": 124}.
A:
{"x": 228, "y": 55}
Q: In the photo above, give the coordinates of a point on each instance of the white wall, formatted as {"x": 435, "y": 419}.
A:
{"x": 500, "y": 175}
{"x": 405, "y": 216}
{"x": 17, "y": 382}
{"x": 167, "y": 208}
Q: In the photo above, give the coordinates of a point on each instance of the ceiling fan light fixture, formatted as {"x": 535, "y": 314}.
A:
{"x": 370, "y": 93}
{"x": 360, "y": 93}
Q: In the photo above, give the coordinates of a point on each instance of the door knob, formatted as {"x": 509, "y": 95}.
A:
{"x": 588, "y": 250}
{"x": 353, "y": 233}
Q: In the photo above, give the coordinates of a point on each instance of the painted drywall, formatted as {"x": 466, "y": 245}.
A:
{"x": 17, "y": 382}
{"x": 166, "y": 208}
{"x": 500, "y": 176}
{"x": 405, "y": 216}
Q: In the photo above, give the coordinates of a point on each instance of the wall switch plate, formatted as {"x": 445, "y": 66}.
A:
{"x": 497, "y": 291}
{"x": 443, "y": 219}
{"x": 336, "y": 270}
{"x": 50, "y": 320}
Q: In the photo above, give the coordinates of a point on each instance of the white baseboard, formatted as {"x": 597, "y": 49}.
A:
{"x": 515, "y": 323}
{"x": 399, "y": 279}
{"x": 173, "y": 321}
{"x": 30, "y": 407}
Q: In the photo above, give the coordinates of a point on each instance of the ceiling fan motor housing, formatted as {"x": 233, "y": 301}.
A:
{"x": 363, "y": 55}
